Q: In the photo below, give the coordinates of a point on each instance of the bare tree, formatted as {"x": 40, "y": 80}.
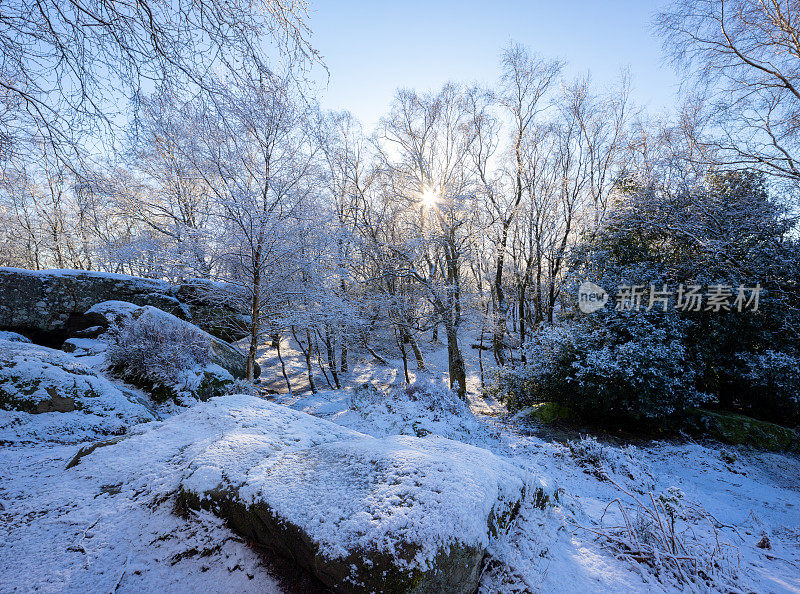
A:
{"x": 348, "y": 176}
{"x": 256, "y": 157}
{"x": 173, "y": 200}
{"x": 424, "y": 147}
{"x": 67, "y": 68}
{"x": 525, "y": 81}
{"x": 744, "y": 56}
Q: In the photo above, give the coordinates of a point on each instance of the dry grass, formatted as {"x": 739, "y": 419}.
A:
{"x": 661, "y": 533}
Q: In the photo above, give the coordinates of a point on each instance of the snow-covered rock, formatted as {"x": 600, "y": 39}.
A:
{"x": 13, "y": 337}
{"x": 363, "y": 514}
{"x": 52, "y": 302}
{"x": 47, "y": 395}
{"x": 212, "y": 313}
{"x": 111, "y": 313}
{"x": 84, "y": 346}
{"x": 49, "y": 304}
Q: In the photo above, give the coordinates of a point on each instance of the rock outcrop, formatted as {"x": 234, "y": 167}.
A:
{"x": 49, "y": 305}
{"x": 206, "y": 301}
{"x": 36, "y": 380}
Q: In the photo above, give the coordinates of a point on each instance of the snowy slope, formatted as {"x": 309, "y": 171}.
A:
{"x": 108, "y": 523}
{"x": 727, "y": 499}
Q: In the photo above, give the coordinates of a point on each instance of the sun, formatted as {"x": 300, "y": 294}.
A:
{"x": 429, "y": 197}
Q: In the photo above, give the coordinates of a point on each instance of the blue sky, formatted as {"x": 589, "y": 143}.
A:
{"x": 371, "y": 47}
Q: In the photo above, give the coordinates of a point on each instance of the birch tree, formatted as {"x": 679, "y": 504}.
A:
{"x": 256, "y": 157}
{"x": 744, "y": 58}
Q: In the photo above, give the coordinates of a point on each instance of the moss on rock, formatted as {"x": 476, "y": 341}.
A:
{"x": 455, "y": 569}
{"x": 738, "y": 429}
{"x": 550, "y": 412}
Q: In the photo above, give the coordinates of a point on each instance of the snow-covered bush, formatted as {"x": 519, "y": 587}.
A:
{"x": 656, "y": 234}
{"x": 243, "y": 386}
{"x": 167, "y": 360}
{"x": 535, "y": 380}
{"x": 653, "y": 364}
{"x": 609, "y": 366}
{"x": 603, "y": 461}
{"x": 587, "y": 451}
{"x": 423, "y": 408}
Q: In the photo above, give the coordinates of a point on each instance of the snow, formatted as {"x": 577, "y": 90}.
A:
{"x": 32, "y": 375}
{"x": 95, "y": 529}
{"x": 13, "y": 336}
{"x": 108, "y": 523}
{"x": 752, "y": 496}
{"x": 746, "y": 493}
{"x": 114, "y": 311}
{"x": 69, "y": 272}
{"x": 254, "y": 430}
{"x": 360, "y": 492}
{"x": 82, "y": 347}
{"x": 387, "y": 492}
{"x": 423, "y": 408}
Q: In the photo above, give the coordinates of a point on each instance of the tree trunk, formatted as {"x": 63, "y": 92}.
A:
{"x": 371, "y": 351}
{"x": 343, "y": 348}
{"x": 255, "y": 310}
{"x": 401, "y": 344}
{"x": 521, "y": 308}
{"x": 502, "y": 306}
{"x": 307, "y": 357}
{"x": 331, "y": 357}
{"x": 277, "y": 344}
{"x": 342, "y": 334}
{"x": 320, "y": 363}
{"x": 480, "y": 358}
{"x": 458, "y": 372}
{"x": 417, "y": 352}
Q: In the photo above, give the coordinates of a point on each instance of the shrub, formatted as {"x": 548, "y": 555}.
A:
{"x": 423, "y": 408}
{"x": 724, "y": 230}
{"x": 243, "y": 386}
{"x": 608, "y": 367}
{"x": 167, "y": 360}
{"x": 773, "y": 379}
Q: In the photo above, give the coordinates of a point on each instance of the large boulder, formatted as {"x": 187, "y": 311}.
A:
{"x": 47, "y": 395}
{"x": 362, "y": 514}
{"x": 48, "y": 305}
{"x": 211, "y": 306}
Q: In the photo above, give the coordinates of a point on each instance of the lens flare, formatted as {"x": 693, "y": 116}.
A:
{"x": 429, "y": 197}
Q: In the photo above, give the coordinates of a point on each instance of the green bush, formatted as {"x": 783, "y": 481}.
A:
{"x": 608, "y": 368}
{"x": 723, "y": 230}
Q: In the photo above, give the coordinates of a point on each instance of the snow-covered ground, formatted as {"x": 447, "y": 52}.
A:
{"x": 726, "y": 500}
{"x": 655, "y": 516}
